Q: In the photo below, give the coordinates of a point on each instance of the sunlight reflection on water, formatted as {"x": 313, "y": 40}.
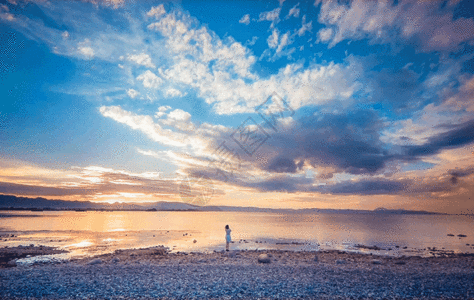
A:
{"x": 92, "y": 233}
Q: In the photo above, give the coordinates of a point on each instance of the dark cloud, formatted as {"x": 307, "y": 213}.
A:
{"x": 366, "y": 187}
{"x": 21, "y": 189}
{"x": 461, "y": 135}
{"x": 346, "y": 142}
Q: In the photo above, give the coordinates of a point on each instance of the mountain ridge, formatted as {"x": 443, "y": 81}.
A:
{"x": 10, "y": 202}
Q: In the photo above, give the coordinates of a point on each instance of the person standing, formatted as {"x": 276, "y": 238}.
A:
{"x": 227, "y": 237}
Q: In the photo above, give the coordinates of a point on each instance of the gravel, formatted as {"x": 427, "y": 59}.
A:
{"x": 237, "y": 275}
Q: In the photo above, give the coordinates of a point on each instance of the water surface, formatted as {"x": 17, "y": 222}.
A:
{"x": 91, "y": 233}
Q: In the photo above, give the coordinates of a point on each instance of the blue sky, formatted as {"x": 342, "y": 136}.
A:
{"x": 127, "y": 101}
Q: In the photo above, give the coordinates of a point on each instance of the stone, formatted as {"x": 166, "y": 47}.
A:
{"x": 400, "y": 262}
{"x": 195, "y": 241}
{"x": 12, "y": 263}
{"x": 264, "y": 259}
{"x": 115, "y": 260}
{"x": 340, "y": 261}
{"x": 462, "y": 235}
{"x": 316, "y": 259}
{"x": 376, "y": 262}
{"x": 95, "y": 261}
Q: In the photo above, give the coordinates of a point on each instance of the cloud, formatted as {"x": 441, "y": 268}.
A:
{"x": 427, "y": 24}
{"x": 132, "y": 93}
{"x": 156, "y": 11}
{"x": 459, "y": 135}
{"x": 146, "y": 125}
{"x": 305, "y": 27}
{"x": 325, "y": 34}
{"x": 245, "y": 19}
{"x": 150, "y": 80}
{"x": 365, "y": 187}
{"x": 272, "y": 16}
{"x": 273, "y": 39}
{"x": 142, "y": 59}
{"x": 251, "y": 42}
{"x": 294, "y": 11}
{"x": 174, "y": 93}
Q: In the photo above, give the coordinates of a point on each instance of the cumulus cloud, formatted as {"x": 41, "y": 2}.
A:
{"x": 156, "y": 11}
{"x": 142, "y": 59}
{"x": 173, "y": 93}
{"x": 132, "y": 93}
{"x": 324, "y": 34}
{"x": 150, "y": 80}
{"x": 245, "y": 19}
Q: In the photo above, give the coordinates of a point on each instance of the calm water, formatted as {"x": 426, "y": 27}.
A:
{"x": 89, "y": 233}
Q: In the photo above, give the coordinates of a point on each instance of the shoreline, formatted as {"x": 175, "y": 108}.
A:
{"x": 156, "y": 273}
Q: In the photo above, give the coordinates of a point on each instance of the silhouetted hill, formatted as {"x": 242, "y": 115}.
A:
{"x": 13, "y": 202}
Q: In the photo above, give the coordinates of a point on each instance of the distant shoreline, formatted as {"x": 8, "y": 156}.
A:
{"x": 9, "y": 202}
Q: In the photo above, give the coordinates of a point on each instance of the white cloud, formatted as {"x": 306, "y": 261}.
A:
{"x": 142, "y": 59}
{"x": 164, "y": 108}
{"x": 150, "y": 80}
{"x": 146, "y": 125}
{"x": 86, "y": 51}
{"x": 273, "y": 16}
{"x": 273, "y": 39}
{"x": 284, "y": 41}
{"x": 325, "y": 34}
{"x": 279, "y": 42}
{"x": 179, "y": 115}
{"x": 432, "y": 27}
{"x": 251, "y": 42}
{"x": 173, "y": 93}
{"x": 245, "y": 19}
{"x": 270, "y": 15}
{"x": 156, "y": 11}
{"x": 132, "y": 93}
{"x": 65, "y": 35}
{"x": 305, "y": 27}
{"x": 294, "y": 11}
{"x": 161, "y": 154}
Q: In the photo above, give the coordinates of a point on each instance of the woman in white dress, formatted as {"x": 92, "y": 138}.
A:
{"x": 227, "y": 237}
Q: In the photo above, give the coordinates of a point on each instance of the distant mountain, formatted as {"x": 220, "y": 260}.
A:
{"x": 13, "y": 202}
{"x": 403, "y": 211}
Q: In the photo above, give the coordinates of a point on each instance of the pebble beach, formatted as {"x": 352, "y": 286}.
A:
{"x": 155, "y": 273}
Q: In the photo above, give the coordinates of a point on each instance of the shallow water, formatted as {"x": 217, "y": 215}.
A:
{"x": 92, "y": 233}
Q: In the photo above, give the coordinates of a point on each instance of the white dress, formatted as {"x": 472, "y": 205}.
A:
{"x": 227, "y": 235}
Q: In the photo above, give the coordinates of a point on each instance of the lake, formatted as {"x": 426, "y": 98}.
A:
{"x": 91, "y": 232}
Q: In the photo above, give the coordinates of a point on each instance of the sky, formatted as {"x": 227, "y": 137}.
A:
{"x": 280, "y": 104}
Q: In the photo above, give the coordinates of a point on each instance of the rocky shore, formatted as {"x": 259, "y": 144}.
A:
{"x": 272, "y": 274}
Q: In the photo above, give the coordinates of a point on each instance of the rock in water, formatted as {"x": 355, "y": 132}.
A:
{"x": 376, "y": 262}
{"x": 316, "y": 259}
{"x": 12, "y": 263}
{"x": 340, "y": 261}
{"x": 115, "y": 260}
{"x": 264, "y": 259}
{"x": 95, "y": 261}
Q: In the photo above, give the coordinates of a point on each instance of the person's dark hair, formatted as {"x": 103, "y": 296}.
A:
{"x": 226, "y": 226}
